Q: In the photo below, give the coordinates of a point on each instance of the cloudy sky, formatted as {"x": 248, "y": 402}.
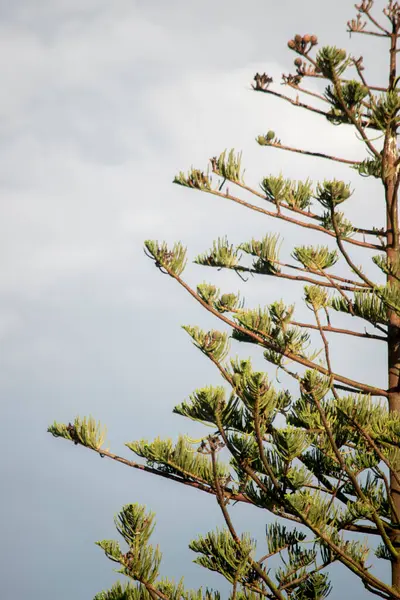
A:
{"x": 102, "y": 103}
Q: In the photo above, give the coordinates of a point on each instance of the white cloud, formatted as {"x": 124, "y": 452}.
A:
{"x": 65, "y": 213}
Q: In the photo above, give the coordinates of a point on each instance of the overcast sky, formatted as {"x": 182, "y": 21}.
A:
{"x": 101, "y": 104}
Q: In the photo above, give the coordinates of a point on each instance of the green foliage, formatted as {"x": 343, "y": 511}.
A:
{"x": 208, "y": 405}
{"x": 323, "y": 458}
{"x": 222, "y": 303}
{"x": 294, "y": 194}
{"x": 222, "y": 254}
{"x": 194, "y": 179}
{"x": 267, "y": 253}
{"x": 294, "y": 340}
{"x": 112, "y": 549}
{"x": 83, "y": 431}
{"x": 229, "y": 303}
{"x": 290, "y": 442}
{"x": 314, "y": 386}
{"x": 390, "y": 296}
{"x": 134, "y": 525}
{"x": 317, "y": 258}
{"x": 279, "y": 538}
{"x": 255, "y": 391}
{"x": 332, "y": 62}
{"x": 389, "y": 267}
{"x": 383, "y": 552}
{"x": 352, "y": 93}
{"x": 174, "y": 261}
{"x": 315, "y": 587}
{"x": 319, "y": 510}
{"x": 316, "y": 297}
{"x": 209, "y": 293}
{"x": 142, "y": 561}
{"x": 298, "y": 561}
{"x": 281, "y": 314}
{"x": 266, "y": 325}
{"x": 344, "y": 226}
{"x": 212, "y": 343}
{"x": 181, "y": 458}
{"x": 268, "y": 139}
{"x": 256, "y": 321}
{"x": 373, "y": 417}
{"x": 357, "y": 551}
{"x": 385, "y": 111}
{"x": 229, "y": 167}
{"x": 299, "y": 194}
{"x": 219, "y": 552}
{"x": 332, "y": 193}
{"x": 370, "y": 167}
{"x": 167, "y": 587}
{"x": 123, "y": 592}
{"x": 366, "y": 305}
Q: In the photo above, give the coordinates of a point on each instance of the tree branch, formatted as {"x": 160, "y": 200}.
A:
{"x": 366, "y": 11}
{"x": 330, "y": 329}
{"x": 316, "y": 154}
{"x": 288, "y": 219}
{"x": 220, "y": 498}
{"x": 274, "y": 347}
{"x": 278, "y": 274}
{"x": 291, "y": 100}
{"x": 307, "y": 213}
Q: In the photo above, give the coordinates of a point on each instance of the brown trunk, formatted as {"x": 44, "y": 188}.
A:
{"x": 390, "y": 156}
{"x": 390, "y": 181}
{"x": 394, "y": 405}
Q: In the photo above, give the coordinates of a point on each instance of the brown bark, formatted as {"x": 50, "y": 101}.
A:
{"x": 394, "y": 406}
{"x": 393, "y": 334}
{"x": 391, "y": 181}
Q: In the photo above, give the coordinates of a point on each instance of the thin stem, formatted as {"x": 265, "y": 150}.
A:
{"x": 154, "y": 592}
{"x": 366, "y": 11}
{"x": 322, "y": 273}
{"x": 367, "y": 32}
{"x": 374, "y": 88}
{"x": 315, "y": 154}
{"x": 298, "y": 88}
{"x": 288, "y": 219}
{"x": 279, "y": 275}
{"x": 341, "y": 289}
{"x": 291, "y": 100}
{"x": 221, "y": 499}
{"x": 357, "y": 64}
{"x": 330, "y": 329}
{"x": 194, "y": 484}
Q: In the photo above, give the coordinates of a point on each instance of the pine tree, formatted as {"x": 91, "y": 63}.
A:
{"x": 324, "y": 461}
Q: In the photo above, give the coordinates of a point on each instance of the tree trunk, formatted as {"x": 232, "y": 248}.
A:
{"x": 390, "y": 156}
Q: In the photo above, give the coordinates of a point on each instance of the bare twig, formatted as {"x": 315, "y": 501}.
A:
{"x": 330, "y": 329}
{"x": 316, "y": 154}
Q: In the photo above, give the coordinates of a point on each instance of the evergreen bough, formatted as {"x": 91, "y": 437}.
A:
{"x": 326, "y": 460}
